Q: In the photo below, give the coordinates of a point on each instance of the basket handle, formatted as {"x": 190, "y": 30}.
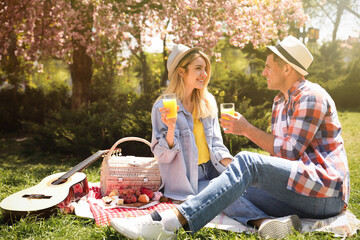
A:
{"x": 126, "y": 139}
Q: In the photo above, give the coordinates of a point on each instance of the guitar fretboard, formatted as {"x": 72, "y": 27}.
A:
{"x": 79, "y": 167}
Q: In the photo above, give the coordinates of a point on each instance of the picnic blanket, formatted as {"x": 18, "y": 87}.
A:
{"x": 344, "y": 225}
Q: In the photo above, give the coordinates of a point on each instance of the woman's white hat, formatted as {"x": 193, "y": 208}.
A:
{"x": 176, "y": 55}
{"x": 294, "y": 52}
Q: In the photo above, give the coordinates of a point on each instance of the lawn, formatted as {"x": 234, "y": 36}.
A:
{"x": 22, "y": 168}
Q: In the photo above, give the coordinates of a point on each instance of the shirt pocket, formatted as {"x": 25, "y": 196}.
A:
{"x": 185, "y": 139}
{"x": 209, "y": 134}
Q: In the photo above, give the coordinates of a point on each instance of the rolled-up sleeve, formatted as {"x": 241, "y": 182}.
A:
{"x": 219, "y": 150}
{"x": 159, "y": 145}
{"x": 305, "y": 120}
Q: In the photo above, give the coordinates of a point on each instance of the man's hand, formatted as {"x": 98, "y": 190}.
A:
{"x": 234, "y": 124}
{"x": 240, "y": 126}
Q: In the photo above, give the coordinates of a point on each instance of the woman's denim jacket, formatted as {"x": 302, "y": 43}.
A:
{"x": 179, "y": 165}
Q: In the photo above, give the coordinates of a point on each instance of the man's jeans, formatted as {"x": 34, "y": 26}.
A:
{"x": 254, "y": 186}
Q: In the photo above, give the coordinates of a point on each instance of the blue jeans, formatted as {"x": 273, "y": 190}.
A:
{"x": 206, "y": 172}
{"x": 254, "y": 186}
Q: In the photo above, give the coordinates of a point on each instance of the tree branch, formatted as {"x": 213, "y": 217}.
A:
{"x": 24, "y": 6}
{"x": 326, "y": 13}
{"x": 353, "y": 12}
{"x": 138, "y": 7}
{"x": 134, "y": 53}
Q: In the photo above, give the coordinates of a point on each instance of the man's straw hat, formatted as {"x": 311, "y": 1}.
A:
{"x": 294, "y": 52}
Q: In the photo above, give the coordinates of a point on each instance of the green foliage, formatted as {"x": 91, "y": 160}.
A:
{"x": 328, "y": 63}
{"x": 28, "y": 105}
{"x": 50, "y": 74}
{"x": 44, "y": 91}
{"x": 347, "y": 94}
{"x": 9, "y": 111}
{"x": 97, "y": 127}
{"x": 237, "y": 78}
{"x": 115, "y": 112}
{"x": 118, "y": 110}
{"x": 337, "y": 68}
{"x": 156, "y": 72}
{"x": 328, "y": 67}
{"x": 108, "y": 80}
{"x": 233, "y": 60}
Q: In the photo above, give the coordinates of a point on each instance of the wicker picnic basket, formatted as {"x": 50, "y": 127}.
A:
{"x": 119, "y": 171}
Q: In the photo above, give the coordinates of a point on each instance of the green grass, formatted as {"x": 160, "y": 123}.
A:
{"x": 351, "y": 133}
{"x": 21, "y": 169}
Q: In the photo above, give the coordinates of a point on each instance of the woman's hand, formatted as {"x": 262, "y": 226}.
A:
{"x": 225, "y": 161}
{"x": 169, "y": 122}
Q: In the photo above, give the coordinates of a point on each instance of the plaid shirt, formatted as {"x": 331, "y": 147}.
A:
{"x": 307, "y": 130}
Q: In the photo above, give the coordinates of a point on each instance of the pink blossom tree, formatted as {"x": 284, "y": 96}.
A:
{"x": 143, "y": 22}
{"x": 257, "y": 22}
{"x": 77, "y": 31}
{"x": 203, "y": 23}
{"x": 81, "y": 31}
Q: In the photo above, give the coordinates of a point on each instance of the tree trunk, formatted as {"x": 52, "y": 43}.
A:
{"x": 81, "y": 74}
{"x": 165, "y": 57}
{"x": 13, "y": 73}
{"x": 81, "y": 68}
{"x": 145, "y": 81}
{"x": 340, "y": 11}
{"x": 12, "y": 67}
{"x": 165, "y": 75}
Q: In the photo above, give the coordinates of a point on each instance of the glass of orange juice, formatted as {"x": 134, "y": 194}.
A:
{"x": 169, "y": 101}
{"x": 227, "y": 108}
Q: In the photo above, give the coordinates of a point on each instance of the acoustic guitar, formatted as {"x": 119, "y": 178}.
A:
{"x": 43, "y": 199}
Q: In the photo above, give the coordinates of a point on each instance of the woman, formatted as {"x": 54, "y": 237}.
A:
{"x": 189, "y": 148}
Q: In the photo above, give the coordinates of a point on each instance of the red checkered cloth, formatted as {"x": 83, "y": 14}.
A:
{"x": 103, "y": 216}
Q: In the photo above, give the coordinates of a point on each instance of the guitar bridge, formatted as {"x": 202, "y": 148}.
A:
{"x": 36, "y": 196}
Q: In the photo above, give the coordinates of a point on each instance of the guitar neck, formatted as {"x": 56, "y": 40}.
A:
{"x": 79, "y": 167}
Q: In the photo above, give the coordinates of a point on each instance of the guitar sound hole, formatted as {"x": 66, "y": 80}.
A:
{"x": 36, "y": 196}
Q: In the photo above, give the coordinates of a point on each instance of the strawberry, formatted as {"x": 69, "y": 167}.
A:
{"x": 147, "y": 191}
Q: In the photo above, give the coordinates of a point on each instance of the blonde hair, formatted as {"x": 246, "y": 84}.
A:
{"x": 204, "y": 102}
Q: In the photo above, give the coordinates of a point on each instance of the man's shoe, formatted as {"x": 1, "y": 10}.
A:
{"x": 144, "y": 226}
{"x": 279, "y": 227}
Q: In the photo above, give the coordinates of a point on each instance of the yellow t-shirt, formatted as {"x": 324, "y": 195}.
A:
{"x": 203, "y": 150}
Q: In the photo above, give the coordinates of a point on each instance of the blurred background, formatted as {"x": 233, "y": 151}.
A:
{"x": 75, "y": 76}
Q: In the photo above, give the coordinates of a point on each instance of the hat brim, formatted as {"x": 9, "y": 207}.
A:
{"x": 298, "y": 69}
{"x": 178, "y": 58}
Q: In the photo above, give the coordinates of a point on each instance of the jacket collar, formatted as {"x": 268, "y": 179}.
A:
{"x": 182, "y": 108}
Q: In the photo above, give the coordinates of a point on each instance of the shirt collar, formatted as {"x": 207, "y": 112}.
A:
{"x": 292, "y": 89}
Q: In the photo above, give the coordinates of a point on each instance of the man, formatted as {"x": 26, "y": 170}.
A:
{"x": 306, "y": 175}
